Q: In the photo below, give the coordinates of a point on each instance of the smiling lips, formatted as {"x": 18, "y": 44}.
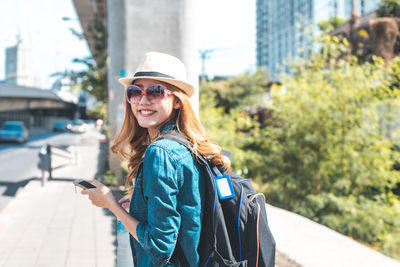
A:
{"x": 146, "y": 112}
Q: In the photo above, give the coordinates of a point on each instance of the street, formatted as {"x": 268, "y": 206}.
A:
{"x": 18, "y": 162}
{"x": 54, "y": 225}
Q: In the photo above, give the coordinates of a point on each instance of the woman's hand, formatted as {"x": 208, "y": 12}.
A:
{"x": 101, "y": 196}
{"x": 125, "y": 201}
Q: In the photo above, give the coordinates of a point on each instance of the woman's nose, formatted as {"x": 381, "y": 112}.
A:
{"x": 144, "y": 99}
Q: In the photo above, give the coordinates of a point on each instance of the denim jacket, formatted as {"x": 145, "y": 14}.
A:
{"x": 167, "y": 202}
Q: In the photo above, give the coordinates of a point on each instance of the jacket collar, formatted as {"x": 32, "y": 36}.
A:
{"x": 168, "y": 126}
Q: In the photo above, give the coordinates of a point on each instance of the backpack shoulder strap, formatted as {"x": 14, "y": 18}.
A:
{"x": 174, "y": 135}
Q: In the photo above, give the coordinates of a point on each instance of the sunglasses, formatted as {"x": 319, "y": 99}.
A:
{"x": 154, "y": 93}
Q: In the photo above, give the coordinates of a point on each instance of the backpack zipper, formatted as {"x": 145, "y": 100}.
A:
{"x": 257, "y": 227}
{"x": 258, "y": 234}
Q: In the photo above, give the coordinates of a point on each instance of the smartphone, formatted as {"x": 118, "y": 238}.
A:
{"x": 83, "y": 184}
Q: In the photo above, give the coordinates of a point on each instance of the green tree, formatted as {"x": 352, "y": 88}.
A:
{"x": 330, "y": 150}
{"x": 389, "y": 8}
{"x": 328, "y": 157}
{"x": 238, "y": 92}
{"x": 330, "y": 24}
{"x": 229, "y": 130}
{"x": 93, "y": 78}
{"x": 99, "y": 112}
{"x": 223, "y": 112}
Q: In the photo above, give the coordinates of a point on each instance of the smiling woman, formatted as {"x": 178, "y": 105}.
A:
{"x": 151, "y": 104}
{"x": 165, "y": 183}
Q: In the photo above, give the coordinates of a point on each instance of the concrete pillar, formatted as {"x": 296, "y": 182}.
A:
{"x": 136, "y": 27}
{"x": 163, "y": 26}
{"x": 189, "y": 53}
{"x": 116, "y": 62}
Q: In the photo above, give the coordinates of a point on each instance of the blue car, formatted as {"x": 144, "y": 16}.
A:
{"x": 14, "y": 131}
{"x": 61, "y": 126}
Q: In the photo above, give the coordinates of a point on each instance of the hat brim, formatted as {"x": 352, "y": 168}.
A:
{"x": 185, "y": 87}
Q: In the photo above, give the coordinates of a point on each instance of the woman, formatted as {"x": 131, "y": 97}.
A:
{"x": 165, "y": 181}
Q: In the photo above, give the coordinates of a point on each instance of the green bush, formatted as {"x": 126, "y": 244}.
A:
{"x": 327, "y": 150}
{"x": 388, "y": 8}
{"x": 99, "y": 111}
{"x": 330, "y": 157}
{"x": 108, "y": 178}
{"x": 229, "y": 125}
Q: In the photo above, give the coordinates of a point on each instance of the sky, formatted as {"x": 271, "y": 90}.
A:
{"x": 228, "y": 28}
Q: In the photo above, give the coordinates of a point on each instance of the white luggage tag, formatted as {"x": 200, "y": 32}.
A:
{"x": 223, "y": 184}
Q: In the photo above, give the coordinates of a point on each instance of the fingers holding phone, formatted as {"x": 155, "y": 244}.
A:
{"x": 83, "y": 184}
{"x": 99, "y": 194}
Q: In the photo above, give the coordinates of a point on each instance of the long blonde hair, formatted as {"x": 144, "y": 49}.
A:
{"x": 132, "y": 140}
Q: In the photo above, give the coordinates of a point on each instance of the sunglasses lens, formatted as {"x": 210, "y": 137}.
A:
{"x": 155, "y": 93}
{"x": 133, "y": 93}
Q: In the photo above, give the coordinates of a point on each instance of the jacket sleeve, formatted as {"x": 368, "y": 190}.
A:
{"x": 159, "y": 234}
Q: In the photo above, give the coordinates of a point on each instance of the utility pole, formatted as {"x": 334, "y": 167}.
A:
{"x": 353, "y": 20}
{"x": 354, "y": 17}
{"x": 204, "y": 55}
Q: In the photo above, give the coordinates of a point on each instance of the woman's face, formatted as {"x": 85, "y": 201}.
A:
{"x": 153, "y": 114}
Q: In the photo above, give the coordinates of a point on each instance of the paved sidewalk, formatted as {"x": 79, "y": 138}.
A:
{"x": 53, "y": 225}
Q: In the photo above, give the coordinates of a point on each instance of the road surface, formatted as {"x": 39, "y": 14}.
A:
{"x": 18, "y": 162}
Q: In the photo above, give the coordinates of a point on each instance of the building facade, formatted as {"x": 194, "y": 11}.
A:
{"x": 21, "y": 66}
{"x": 37, "y": 108}
{"x": 285, "y": 28}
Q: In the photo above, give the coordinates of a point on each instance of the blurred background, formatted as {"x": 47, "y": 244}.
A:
{"x": 305, "y": 94}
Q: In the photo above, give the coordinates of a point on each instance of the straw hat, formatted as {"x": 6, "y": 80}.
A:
{"x": 161, "y": 67}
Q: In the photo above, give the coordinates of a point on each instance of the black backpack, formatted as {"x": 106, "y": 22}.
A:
{"x": 235, "y": 230}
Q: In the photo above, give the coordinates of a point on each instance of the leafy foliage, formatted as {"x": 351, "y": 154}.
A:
{"x": 238, "y": 92}
{"x": 90, "y": 80}
{"x": 330, "y": 24}
{"x": 328, "y": 152}
{"x": 224, "y": 112}
{"x": 389, "y": 8}
{"x": 93, "y": 78}
{"x": 99, "y": 112}
{"x": 108, "y": 178}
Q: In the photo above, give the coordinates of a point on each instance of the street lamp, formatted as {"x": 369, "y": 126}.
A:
{"x": 204, "y": 55}
{"x": 68, "y": 19}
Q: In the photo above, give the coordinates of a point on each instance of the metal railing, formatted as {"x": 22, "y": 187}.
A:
{"x": 46, "y": 153}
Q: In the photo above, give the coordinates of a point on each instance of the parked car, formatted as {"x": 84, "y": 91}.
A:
{"x": 14, "y": 131}
{"x": 78, "y": 126}
{"x": 60, "y": 126}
